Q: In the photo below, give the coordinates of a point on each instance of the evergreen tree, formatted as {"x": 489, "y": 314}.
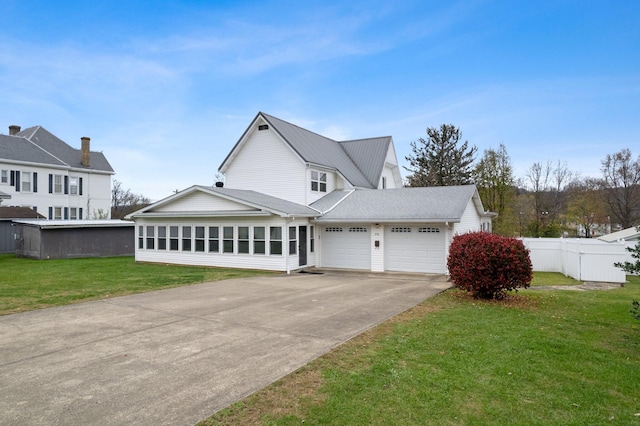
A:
{"x": 441, "y": 159}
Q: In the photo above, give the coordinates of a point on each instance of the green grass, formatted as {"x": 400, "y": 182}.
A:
{"x": 27, "y": 284}
{"x": 552, "y": 278}
{"x": 541, "y": 358}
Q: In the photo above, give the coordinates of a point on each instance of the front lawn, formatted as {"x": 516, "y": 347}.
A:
{"x": 27, "y": 284}
{"x": 540, "y": 358}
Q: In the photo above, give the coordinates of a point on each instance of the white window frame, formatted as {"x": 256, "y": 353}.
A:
{"x": 319, "y": 181}
{"x": 4, "y": 176}
{"x": 73, "y": 213}
{"x": 57, "y": 213}
{"x": 58, "y": 184}
{"x": 26, "y": 178}
{"x": 73, "y": 185}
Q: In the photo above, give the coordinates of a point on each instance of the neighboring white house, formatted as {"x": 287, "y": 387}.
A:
{"x": 40, "y": 171}
{"x": 293, "y": 199}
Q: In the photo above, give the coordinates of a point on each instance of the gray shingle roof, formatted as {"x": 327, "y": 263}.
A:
{"x": 38, "y": 145}
{"x": 330, "y": 200}
{"x": 268, "y": 202}
{"x": 432, "y": 204}
{"x": 359, "y": 161}
{"x": 20, "y": 149}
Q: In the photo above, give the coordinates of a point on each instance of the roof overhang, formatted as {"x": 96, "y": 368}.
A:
{"x": 388, "y": 220}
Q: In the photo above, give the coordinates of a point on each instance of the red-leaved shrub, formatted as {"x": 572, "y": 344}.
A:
{"x": 489, "y": 265}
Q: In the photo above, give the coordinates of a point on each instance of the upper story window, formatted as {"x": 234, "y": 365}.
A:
{"x": 318, "y": 181}
{"x": 26, "y": 182}
{"x": 73, "y": 185}
{"x": 57, "y": 184}
{"x": 4, "y": 176}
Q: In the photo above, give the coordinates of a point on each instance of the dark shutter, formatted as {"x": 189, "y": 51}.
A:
{"x": 66, "y": 213}
{"x": 50, "y": 183}
{"x": 13, "y": 178}
{"x": 66, "y": 184}
{"x": 80, "y": 213}
{"x": 80, "y": 188}
{"x": 35, "y": 182}
{"x": 17, "y": 181}
{"x": 50, "y": 213}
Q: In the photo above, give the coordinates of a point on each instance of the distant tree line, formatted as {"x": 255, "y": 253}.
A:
{"x": 550, "y": 200}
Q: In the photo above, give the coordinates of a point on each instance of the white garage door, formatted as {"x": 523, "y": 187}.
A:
{"x": 346, "y": 247}
{"x": 414, "y": 249}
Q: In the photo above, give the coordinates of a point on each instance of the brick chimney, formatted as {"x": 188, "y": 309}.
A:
{"x": 85, "y": 151}
{"x": 13, "y": 129}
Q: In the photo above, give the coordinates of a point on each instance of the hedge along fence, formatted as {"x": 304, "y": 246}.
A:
{"x": 582, "y": 259}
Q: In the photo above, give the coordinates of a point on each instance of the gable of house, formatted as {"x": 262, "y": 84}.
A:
{"x": 285, "y": 160}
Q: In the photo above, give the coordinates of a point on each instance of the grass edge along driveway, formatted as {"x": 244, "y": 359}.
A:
{"x": 540, "y": 358}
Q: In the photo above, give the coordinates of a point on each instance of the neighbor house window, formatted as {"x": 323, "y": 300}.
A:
{"x": 243, "y": 239}
{"x": 162, "y": 237}
{"x": 57, "y": 184}
{"x": 275, "y": 240}
{"x": 26, "y": 182}
{"x": 258, "y": 240}
{"x": 173, "y": 238}
{"x": 186, "y": 238}
{"x": 214, "y": 239}
{"x": 73, "y": 213}
{"x": 141, "y": 237}
{"x": 4, "y": 176}
{"x": 199, "y": 238}
{"x": 312, "y": 240}
{"x": 73, "y": 185}
{"x": 150, "y": 238}
{"x": 293, "y": 244}
{"x": 57, "y": 213}
{"x": 227, "y": 239}
{"x": 318, "y": 181}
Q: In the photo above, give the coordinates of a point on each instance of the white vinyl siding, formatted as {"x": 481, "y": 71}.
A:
{"x": 199, "y": 201}
{"x": 93, "y": 196}
{"x": 470, "y": 220}
{"x": 286, "y": 178}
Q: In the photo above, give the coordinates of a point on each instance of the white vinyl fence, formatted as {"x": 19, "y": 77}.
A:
{"x": 582, "y": 259}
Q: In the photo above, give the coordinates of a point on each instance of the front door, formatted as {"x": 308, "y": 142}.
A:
{"x": 302, "y": 250}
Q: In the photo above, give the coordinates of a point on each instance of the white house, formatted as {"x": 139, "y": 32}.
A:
{"x": 42, "y": 172}
{"x": 294, "y": 199}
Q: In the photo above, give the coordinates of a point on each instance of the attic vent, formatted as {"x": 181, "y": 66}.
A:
{"x": 263, "y": 127}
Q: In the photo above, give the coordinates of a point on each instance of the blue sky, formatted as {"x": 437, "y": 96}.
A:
{"x": 165, "y": 89}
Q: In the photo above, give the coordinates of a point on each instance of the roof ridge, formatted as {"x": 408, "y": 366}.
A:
{"x": 299, "y": 127}
{"x": 44, "y": 150}
{"x": 364, "y": 139}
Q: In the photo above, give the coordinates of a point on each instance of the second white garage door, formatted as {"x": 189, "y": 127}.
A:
{"x": 414, "y": 249}
{"x": 346, "y": 247}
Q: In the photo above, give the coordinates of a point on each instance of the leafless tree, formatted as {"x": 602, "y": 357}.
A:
{"x": 621, "y": 185}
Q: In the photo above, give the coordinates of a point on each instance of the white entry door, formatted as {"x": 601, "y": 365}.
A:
{"x": 346, "y": 247}
{"x": 411, "y": 248}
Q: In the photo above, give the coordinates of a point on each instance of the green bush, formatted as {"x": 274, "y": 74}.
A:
{"x": 489, "y": 265}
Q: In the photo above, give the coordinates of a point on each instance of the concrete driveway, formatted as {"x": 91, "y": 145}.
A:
{"x": 176, "y": 356}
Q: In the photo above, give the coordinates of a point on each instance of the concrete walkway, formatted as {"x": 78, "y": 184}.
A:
{"x": 174, "y": 357}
